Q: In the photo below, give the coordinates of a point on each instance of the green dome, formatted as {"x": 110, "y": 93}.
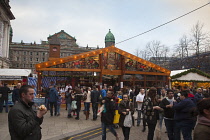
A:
{"x": 109, "y": 37}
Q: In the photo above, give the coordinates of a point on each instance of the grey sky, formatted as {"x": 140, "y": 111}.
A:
{"x": 90, "y": 20}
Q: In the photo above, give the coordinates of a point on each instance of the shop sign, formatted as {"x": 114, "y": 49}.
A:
{"x": 10, "y": 78}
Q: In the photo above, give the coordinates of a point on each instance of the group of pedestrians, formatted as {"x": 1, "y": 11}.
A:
{"x": 180, "y": 114}
{"x": 88, "y": 96}
{"x": 179, "y": 110}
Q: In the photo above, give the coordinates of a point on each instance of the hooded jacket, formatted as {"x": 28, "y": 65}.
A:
{"x": 53, "y": 95}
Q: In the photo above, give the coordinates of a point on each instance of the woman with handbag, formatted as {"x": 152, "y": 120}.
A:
{"x": 126, "y": 110}
{"x": 87, "y": 100}
{"x": 151, "y": 110}
{"x": 68, "y": 97}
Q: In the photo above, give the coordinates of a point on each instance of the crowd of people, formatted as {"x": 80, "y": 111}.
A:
{"x": 182, "y": 110}
{"x": 177, "y": 108}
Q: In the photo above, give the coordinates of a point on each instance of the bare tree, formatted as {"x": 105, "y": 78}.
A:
{"x": 144, "y": 54}
{"x": 137, "y": 52}
{"x": 198, "y": 41}
{"x": 155, "y": 50}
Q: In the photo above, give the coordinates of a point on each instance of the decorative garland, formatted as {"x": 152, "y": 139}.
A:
{"x": 196, "y": 81}
{"x": 68, "y": 76}
{"x": 193, "y": 70}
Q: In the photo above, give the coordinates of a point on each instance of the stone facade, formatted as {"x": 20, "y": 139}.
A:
{"x": 5, "y": 27}
{"x": 26, "y": 55}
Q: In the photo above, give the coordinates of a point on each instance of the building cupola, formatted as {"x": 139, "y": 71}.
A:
{"x": 109, "y": 39}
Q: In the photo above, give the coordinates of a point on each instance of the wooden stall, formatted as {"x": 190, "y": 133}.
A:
{"x": 108, "y": 65}
{"x": 190, "y": 78}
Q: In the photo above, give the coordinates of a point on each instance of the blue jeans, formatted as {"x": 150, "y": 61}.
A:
{"x": 170, "y": 126}
{"x": 95, "y": 110}
{"x": 87, "y": 106}
{"x": 110, "y": 127}
{"x": 2, "y": 104}
{"x": 47, "y": 103}
{"x": 160, "y": 120}
{"x": 69, "y": 108}
{"x": 139, "y": 116}
{"x": 58, "y": 109}
{"x": 185, "y": 127}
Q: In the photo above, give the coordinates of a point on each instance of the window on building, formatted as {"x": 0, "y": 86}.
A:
{"x": 37, "y": 53}
{"x": 31, "y": 59}
{"x": 31, "y": 65}
{"x": 24, "y": 65}
{"x": 17, "y": 65}
{"x": 37, "y": 59}
{"x": 17, "y": 58}
{"x": 31, "y": 53}
{"x": 24, "y": 59}
{"x": 43, "y": 59}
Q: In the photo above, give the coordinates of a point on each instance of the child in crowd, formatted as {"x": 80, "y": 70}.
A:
{"x": 59, "y": 104}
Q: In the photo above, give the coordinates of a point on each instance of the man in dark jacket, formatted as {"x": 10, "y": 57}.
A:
{"x": 167, "y": 105}
{"x": 4, "y": 97}
{"x": 24, "y": 123}
{"x": 107, "y": 116}
{"x": 15, "y": 94}
{"x": 198, "y": 95}
{"x": 184, "y": 121}
{"x": 95, "y": 100}
{"x": 53, "y": 97}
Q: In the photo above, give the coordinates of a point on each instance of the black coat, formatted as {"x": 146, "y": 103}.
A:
{"x": 23, "y": 122}
{"x": 95, "y": 96}
{"x": 168, "y": 112}
{"x": 4, "y": 91}
{"x": 107, "y": 116}
{"x": 15, "y": 95}
{"x": 68, "y": 97}
{"x": 122, "y": 108}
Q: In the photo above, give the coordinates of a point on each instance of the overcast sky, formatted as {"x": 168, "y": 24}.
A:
{"x": 90, "y": 20}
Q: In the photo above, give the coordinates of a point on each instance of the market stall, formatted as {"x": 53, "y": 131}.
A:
{"x": 190, "y": 78}
{"x": 12, "y": 77}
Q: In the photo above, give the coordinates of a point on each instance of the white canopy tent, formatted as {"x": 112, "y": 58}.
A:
{"x": 13, "y": 74}
{"x": 188, "y": 76}
{"x": 191, "y": 76}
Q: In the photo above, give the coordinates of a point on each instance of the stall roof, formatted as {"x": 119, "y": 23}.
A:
{"x": 189, "y": 75}
{"x": 15, "y": 72}
{"x": 174, "y": 72}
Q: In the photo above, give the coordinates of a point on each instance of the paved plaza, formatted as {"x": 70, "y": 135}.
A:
{"x": 61, "y": 127}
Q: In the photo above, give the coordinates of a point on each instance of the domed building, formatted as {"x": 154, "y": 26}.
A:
{"x": 109, "y": 39}
{"x": 107, "y": 65}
